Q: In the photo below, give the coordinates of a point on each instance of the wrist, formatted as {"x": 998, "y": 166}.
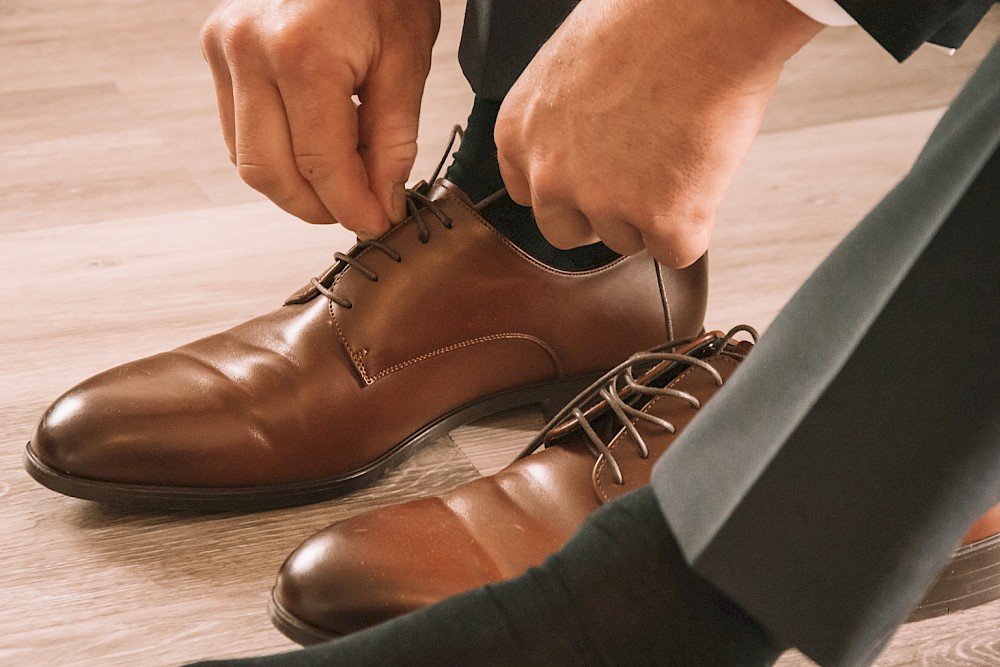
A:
{"x": 722, "y": 42}
{"x": 753, "y": 40}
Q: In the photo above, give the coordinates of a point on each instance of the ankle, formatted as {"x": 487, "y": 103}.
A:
{"x": 639, "y": 601}
{"x": 475, "y": 169}
{"x": 476, "y": 172}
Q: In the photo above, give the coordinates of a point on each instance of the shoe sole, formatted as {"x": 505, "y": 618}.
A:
{"x": 300, "y": 632}
{"x": 549, "y": 396}
{"x": 971, "y": 578}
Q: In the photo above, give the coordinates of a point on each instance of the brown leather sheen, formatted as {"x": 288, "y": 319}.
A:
{"x": 988, "y": 525}
{"x": 389, "y": 561}
{"x": 316, "y": 389}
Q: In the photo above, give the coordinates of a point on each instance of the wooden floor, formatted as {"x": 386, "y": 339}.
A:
{"x": 125, "y": 231}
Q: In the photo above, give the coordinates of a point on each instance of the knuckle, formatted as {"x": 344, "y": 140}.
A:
{"x": 260, "y": 177}
{"x": 603, "y": 206}
{"x": 396, "y": 136}
{"x": 314, "y": 166}
{"x": 290, "y": 44}
{"x": 209, "y": 34}
{"x": 547, "y": 184}
{"x": 389, "y": 160}
{"x": 238, "y": 36}
{"x": 504, "y": 135}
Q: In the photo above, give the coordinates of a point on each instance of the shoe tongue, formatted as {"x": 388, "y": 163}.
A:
{"x": 442, "y": 187}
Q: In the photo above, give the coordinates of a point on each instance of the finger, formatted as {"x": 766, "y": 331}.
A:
{"x": 323, "y": 124}
{"x": 219, "y": 66}
{"x": 388, "y": 119}
{"x": 514, "y": 178}
{"x": 677, "y": 244}
{"x": 617, "y": 233}
{"x": 263, "y": 148}
{"x": 562, "y": 226}
{"x": 567, "y": 223}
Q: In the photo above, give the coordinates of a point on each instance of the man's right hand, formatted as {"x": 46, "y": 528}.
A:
{"x": 285, "y": 72}
{"x": 631, "y": 122}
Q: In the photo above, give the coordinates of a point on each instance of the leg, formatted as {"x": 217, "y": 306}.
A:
{"x": 819, "y": 492}
{"x": 581, "y": 607}
{"x": 827, "y": 484}
{"x": 500, "y": 37}
{"x": 498, "y": 40}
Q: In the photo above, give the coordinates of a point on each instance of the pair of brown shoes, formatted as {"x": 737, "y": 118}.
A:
{"x": 439, "y": 322}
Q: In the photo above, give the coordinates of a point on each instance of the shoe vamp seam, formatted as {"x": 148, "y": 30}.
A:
{"x": 358, "y": 358}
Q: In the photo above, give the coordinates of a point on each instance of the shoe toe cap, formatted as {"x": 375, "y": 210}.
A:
{"x": 58, "y": 440}
{"x": 379, "y": 565}
{"x": 155, "y": 422}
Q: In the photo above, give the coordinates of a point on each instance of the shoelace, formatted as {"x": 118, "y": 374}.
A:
{"x": 415, "y": 198}
{"x": 619, "y": 384}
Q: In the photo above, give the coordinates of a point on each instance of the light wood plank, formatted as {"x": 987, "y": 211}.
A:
{"x": 124, "y": 231}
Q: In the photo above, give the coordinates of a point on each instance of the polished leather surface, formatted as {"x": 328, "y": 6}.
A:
{"x": 389, "y": 561}
{"x": 987, "y": 526}
{"x": 316, "y": 389}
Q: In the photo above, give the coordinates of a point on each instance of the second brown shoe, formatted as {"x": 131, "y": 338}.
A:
{"x": 438, "y": 322}
{"x": 384, "y": 563}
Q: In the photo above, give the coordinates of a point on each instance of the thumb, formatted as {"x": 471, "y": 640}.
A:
{"x": 387, "y": 131}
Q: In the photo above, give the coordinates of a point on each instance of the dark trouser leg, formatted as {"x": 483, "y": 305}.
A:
{"x": 821, "y": 490}
{"x": 499, "y": 39}
{"x": 827, "y": 484}
{"x": 618, "y": 594}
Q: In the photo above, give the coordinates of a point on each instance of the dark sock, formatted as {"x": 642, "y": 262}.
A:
{"x": 619, "y": 593}
{"x": 474, "y": 167}
{"x": 476, "y": 172}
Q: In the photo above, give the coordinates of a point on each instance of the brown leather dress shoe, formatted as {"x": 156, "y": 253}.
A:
{"x": 972, "y": 576}
{"x": 439, "y": 322}
{"x": 384, "y": 563}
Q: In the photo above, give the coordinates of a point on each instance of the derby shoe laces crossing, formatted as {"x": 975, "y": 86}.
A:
{"x": 620, "y": 391}
{"x": 416, "y": 201}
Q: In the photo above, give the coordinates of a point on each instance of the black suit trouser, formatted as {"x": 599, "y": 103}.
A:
{"x": 827, "y": 484}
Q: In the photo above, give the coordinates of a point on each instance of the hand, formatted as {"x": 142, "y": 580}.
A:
{"x": 631, "y": 122}
{"x": 285, "y": 72}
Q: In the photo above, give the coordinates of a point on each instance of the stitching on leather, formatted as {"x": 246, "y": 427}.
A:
{"x": 649, "y": 406}
{"x": 357, "y": 358}
{"x": 370, "y": 379}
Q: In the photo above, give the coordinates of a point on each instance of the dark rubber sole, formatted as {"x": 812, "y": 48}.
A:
{"x": 297, "y": 630}
{"x": 550, "y": 396}
{"x": 971, "y": 578}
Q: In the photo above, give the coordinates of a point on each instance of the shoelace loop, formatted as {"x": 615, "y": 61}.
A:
{"x": 416, "y": 200}
{"x": 618, "y": 384}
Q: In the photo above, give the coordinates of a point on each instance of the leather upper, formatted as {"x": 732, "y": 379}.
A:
{"x": 315, "y": 389}
{"x": 392, "y": 560}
